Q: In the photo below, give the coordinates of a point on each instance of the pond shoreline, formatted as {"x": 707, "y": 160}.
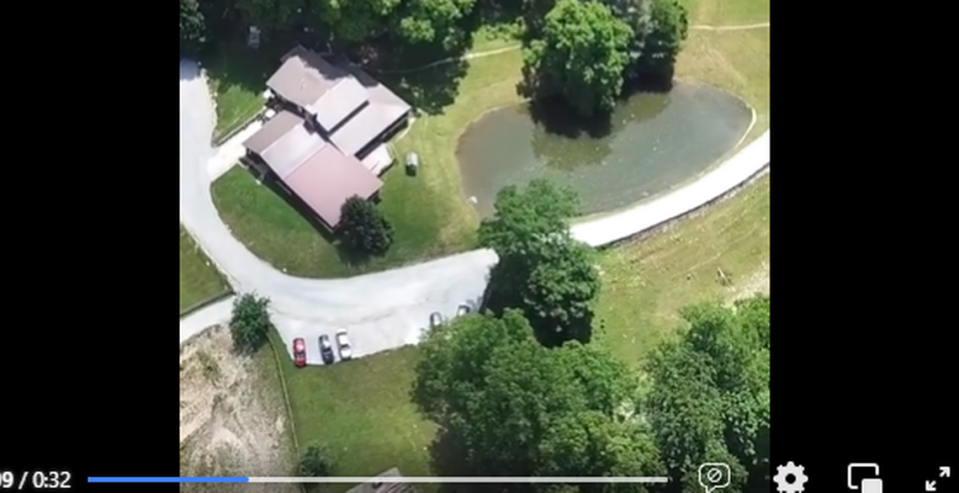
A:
{"x": 640, "y": 154}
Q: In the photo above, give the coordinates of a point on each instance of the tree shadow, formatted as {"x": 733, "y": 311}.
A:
{"x": 426, "y": 75}
{"x": 349, "y": 257}
{"x": 430, "y": 90}
{"x": 658, "y": 79}
{"x": 557, "y": 117}
{"x": 448, "y": 459}
{"x": 232, "y": 63}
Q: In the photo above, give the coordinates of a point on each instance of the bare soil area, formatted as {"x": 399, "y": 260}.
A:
{"x": 233, "y": 420}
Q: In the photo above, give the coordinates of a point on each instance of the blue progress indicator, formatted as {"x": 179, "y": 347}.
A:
{"x": 170, "y": 480}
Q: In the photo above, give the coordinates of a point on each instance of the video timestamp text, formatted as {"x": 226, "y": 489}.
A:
{"x": 36, "y": 480}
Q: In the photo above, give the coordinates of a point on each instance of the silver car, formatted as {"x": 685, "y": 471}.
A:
{"x": 436, "y": 319}
{"x": 343, "y": 345}
{"x": 463, "y": 309}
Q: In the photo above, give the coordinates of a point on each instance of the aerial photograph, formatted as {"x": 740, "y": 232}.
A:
{"x": 476, "y": 246}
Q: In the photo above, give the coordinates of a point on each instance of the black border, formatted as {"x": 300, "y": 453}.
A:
{"x": 859, "y": 326}
{"x": 88, "y": 369}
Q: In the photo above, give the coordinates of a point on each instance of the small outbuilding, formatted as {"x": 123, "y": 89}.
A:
{"x": 412, "y": 163}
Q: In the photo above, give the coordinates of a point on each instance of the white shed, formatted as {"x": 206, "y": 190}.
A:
{"x": 412, "y": 162}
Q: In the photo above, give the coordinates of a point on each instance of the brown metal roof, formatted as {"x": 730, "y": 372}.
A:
{"x": 284, "y": 143}
{"x": 329, "y": 177}
{"x": 366, "y": 125}
{"x": 314, "y": 84}
{"x": 271, "y": 131}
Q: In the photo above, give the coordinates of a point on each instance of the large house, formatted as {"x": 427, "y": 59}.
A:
{"x": 326, "y": 141}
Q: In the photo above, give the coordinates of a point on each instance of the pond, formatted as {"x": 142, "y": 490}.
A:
{"x": 651, "y": 143}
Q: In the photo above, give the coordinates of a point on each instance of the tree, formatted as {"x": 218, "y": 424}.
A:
{"x": 710, "y": 395}
{"x": 542, "y": 269}
{"x": 663, "y": 37}
{"x": 250, "y": 323}
{"x": 271, "y": 14}
{"x": 428, "y": 21}
{"x": 659, "y": 29}
{"x": 354, "y": 21}
{"x": 315, "y": 462}
{"x": 363, "y": 227}
{"x": 582, "y": 55}
{"x": 520, "y": 409}
{"x": 192, "y": 27}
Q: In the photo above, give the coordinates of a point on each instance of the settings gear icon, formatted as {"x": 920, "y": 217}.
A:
{"x": 790, "y": 478}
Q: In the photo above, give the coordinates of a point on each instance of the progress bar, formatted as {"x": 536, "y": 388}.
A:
{"x": 382, "y": 479}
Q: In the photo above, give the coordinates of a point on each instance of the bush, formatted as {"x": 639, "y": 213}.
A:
{"x": 250, "y": 324}
{"x": 363, "y": 228}
{"x": 314, "y": 463}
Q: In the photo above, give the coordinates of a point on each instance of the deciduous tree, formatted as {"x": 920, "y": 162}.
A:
{"x": 353, "y": 21}
{"x": 192, "y": 27}
{"x": 428, "y": 21}
{"x": 363, "y": 227}
{"x": 710, "y": 395}
{"x": 542, "y": 269}
{"x": 521, "y": 409}
{"x": 250, "y": 323}
{"x": 581, "y": 55}
{"x": 271, "y": 14}
{"x": 315, "y": 462}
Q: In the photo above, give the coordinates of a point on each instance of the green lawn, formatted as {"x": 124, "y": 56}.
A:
{"x": 200, "y": 282}
{"x": 237, "y": 77}
{"x": 361, "y": 408}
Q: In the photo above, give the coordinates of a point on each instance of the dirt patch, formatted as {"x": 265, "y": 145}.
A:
{"x": 232, "y": 418}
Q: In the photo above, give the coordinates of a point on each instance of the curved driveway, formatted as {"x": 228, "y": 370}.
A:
{"x": 388, "y": 309}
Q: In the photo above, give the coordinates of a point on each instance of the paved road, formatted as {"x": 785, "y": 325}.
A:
{"x": 388, "y": 309}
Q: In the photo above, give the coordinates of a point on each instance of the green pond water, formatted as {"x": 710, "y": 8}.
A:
{"x": 651, "y": 143}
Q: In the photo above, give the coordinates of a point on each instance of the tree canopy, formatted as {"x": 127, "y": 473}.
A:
{"x": 250, "y": 322}
{"x": 710, "y": 396}
{"x": 363, "y": 227}
{"x": 518, "y": 408}
{"x": 542, "y": 269}
{"x": 582, "y": 55}
{"x": 192, "y": 27}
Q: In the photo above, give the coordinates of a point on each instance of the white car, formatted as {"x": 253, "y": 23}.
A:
{"x": 343, "y": 345}
{"x": 463, "y": 309}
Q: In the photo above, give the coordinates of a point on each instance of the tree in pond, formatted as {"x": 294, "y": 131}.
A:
{"x": 581, "y": 55}
{"x": 363, "y": 227}
{"x": 542, "y": 269}
{"x": 659, "y": 29}
{"x": 192, "y": 27}
{"x": 710, "y": 396}
{"x": 517, "y": 408}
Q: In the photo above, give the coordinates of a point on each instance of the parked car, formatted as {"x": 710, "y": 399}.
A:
{"x": 326, "y": 349}
{"x": 436, "y": 319}
{"x": 299, "y": 352}
{"x": 343, "y": 344}
{"x": 463, "y": 309}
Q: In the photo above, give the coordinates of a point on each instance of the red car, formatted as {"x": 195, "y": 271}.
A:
{"x": 299, "y": 352}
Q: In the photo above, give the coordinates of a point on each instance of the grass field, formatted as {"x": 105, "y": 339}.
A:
{"x": 199, "y": 279}
{"x": 361, "y": 408}
{"x": 237, "y": 76}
